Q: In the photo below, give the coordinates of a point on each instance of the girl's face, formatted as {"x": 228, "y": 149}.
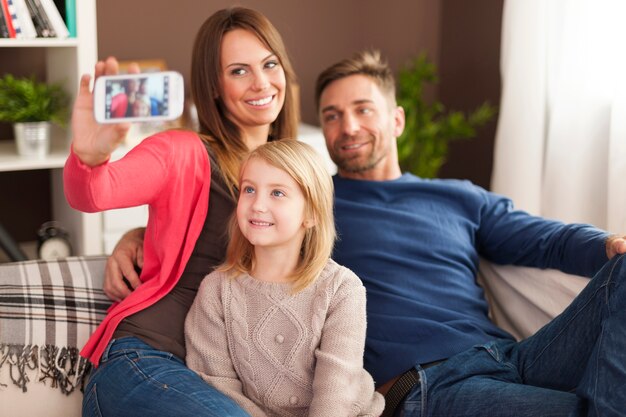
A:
{"x": 252, "y": 81}
{"x": 271, "y": 207}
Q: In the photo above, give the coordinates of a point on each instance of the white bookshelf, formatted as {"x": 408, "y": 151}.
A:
{"x": 66, "y": 60}
{"x": 39, "y": 43}
{"x": 11, "y": 161}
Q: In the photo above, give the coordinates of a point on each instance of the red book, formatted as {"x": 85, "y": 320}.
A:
{"x": 7, "y": 17}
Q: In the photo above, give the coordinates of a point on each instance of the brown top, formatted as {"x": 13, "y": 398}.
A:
{"x": 162, "y": 324}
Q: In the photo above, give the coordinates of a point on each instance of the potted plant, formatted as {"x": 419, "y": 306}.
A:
{"x": 32, "y": 106}
{"x": 423, "y": 147}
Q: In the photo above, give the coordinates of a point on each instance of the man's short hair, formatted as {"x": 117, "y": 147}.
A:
{"x": 367, "y": 63}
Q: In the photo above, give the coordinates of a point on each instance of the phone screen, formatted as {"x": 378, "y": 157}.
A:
{"x": 137, "y": 97}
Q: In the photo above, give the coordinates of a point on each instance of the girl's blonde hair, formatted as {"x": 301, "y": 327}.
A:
{"x": 305, "y": 166}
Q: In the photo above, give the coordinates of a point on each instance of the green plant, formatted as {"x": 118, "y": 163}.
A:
{"x": 423, "y": 147}
{"x": 27, "y": 100}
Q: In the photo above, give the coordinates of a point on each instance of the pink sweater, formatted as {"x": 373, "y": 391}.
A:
{"x": 171, "y": 173}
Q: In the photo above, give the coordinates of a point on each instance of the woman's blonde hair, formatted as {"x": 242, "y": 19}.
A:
{"x": 306, "y": 167}
{"x": 215, "y": 127}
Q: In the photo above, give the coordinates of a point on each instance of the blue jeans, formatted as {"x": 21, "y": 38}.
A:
{"x": 573, "y": 366}
{"x": 134, "y": 379}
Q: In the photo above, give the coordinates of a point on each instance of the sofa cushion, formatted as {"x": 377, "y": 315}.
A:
{"x": 48, "y": 309}
{"x": 522, "y": 300}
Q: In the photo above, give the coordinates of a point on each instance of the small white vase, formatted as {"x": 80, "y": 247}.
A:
{"x": 33, "y": 139}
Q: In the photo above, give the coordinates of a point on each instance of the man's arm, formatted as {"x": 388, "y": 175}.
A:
{"x": 121, "y": 273}
{"x": 510, "y": 236}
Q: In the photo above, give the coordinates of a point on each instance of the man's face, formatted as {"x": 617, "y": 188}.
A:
{"x": 360, "y": 126}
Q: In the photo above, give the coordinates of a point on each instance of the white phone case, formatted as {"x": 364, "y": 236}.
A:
{"x": 144, "y": 97}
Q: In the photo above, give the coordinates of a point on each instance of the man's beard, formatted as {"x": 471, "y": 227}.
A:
{"x": 352, "y": 164}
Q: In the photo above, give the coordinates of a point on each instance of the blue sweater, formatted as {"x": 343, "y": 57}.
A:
{"x": 415, "y": 245}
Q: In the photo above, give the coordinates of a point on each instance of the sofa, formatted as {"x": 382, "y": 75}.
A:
{"x": 48, "y": 309}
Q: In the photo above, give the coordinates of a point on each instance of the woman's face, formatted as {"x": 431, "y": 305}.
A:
{"x": 252, "y": 82}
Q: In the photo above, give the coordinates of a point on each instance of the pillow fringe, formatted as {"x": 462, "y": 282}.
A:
{"x": 62, "y": 367}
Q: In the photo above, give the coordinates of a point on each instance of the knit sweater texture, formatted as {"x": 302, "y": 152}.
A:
{"x": 171, "y": 173}
{"x": 416, "y": 243}
{"x": 283, "y": 354}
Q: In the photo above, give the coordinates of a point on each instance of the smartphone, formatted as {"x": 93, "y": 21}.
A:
{"x": 145, "y": 97}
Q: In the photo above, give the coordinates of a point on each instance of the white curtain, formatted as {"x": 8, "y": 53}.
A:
{"x": 561, "y": 138}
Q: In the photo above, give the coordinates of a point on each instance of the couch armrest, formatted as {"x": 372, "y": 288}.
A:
{"x": 522, "y": 300}
{"x": 48, "y": 310}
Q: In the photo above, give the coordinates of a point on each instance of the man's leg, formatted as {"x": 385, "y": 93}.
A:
{"x": 584, "y": 348}
{"x": 582, "y": 351}
{"x": 134, "y": 379}
{"x": 483, "y": 382}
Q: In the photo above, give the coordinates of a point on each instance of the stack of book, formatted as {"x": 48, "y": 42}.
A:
{"x": 29, "y": 19}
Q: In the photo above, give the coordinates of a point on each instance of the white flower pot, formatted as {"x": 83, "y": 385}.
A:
{"x": 33, "y": 139}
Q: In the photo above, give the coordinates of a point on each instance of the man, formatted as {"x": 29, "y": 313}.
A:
{"x": 415, "y": 244}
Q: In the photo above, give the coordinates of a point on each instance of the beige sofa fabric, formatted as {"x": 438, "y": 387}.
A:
{"x": 522, "y": 300}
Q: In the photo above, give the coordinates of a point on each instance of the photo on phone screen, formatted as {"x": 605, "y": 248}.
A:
{"x": 137, "y": 97}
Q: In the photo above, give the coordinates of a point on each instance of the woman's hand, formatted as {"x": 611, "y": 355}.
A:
{"x": 92, "y": 142}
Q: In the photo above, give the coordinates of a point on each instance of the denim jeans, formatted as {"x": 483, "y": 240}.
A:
{"x": 134, "y": 379}
{"x": 573, "y": 366}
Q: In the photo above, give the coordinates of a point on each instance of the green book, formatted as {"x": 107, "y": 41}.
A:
{"x": 70, "y": 17}
{"x": 67, "y": 10}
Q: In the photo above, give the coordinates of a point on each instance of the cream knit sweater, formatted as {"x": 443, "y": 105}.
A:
{"x": 283, "y": 354}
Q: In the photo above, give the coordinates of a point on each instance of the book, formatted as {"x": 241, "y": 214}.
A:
{"x": 17, "y": 26}
{"x": 17, "y": 22}
{"x": 7, "y": 18}
{"x": 55, "y": 18}
{"x": 67, "y": 10}
{"x": 40, "y": 20}
{"x": 26, "y": 22}
{"x": 70, "y": 16}
{"x": 4, "y": 30}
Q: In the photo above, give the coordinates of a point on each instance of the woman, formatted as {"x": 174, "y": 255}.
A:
{"x": 242, "y": 87}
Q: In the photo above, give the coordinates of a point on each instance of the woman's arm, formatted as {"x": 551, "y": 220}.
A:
{"x": 92, "y": 142}
{"x": 91, "y": 184}
{"x": 341, "y": 386}
{"x": 136, "y": 179}
{"x": 207, "y": 344}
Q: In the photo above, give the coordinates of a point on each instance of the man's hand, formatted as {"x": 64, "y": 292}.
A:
{"x": 615, "y": 245}
{"x": 120, "y": 273}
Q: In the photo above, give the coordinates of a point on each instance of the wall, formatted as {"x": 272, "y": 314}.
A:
{"x": 469, "y": 63}
{"x": 316, "y": 33}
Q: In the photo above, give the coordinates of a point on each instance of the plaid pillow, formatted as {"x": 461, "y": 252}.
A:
{"x": 48, "y": 310}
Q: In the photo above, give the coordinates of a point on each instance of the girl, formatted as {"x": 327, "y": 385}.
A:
{"x": 280, "y": 327}
{"x": 242, "y": 87}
